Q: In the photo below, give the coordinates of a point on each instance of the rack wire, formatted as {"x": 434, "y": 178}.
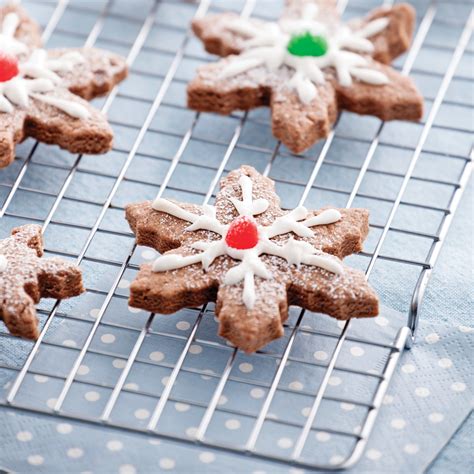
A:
{"x": 151, "y": 37}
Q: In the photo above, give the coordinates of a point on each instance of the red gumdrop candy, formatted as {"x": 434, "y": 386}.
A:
{"x": 8, "y": 67}
{"x": 242, "y": 233}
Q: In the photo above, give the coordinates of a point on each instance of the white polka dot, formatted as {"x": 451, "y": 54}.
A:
{"x": 181, "y": 407}
{"x": 295, "y": 385}
{"x": 24, "y": 436}
{"x": 340, "y": 324}
{"x": 207, "y": 457}
{"x": 207, "y": 377}
{"x": 94, "y": 313}
{"x": 167, "y": 463}
{"x": 381, "y": 321}
{"x": 222, "y": 400}
{"x": 347, "y": 406}
{"x": 356, "y": 429}
{"x": 411, "y": 448}
{"x": 388, "y": 400}
{"x": 232, "y": 424}
{"x": 107, "y": 338}
{"x": 127, "y": 469}
{"x": 165, "y": 380}
{"x": 191, "y": 431}
{"x": 306, "y": 411}
{"x": 323, "y": 437}
{"x": 35, "y": 460}
{"x": 134, "y": 310}
{"x": 373, "y": 454}
{"x": 408, "y": 368}
{"x": 114, "y": 445}
{"x": 295, "y": 470}
{"x": 432, "y": 338}
{"x": 124, "y": 283}
{"x": 69, "y": 343}
{"x": 357, "y": 351}
{"x": 422, "y": 392}
{"x": 245, "y": 367}
{"x": 320, "y": 355}
{"x": 285, "y": 443}
{"x": 445, "y": 363}
{"x": 336, "y": 460}
{"x": 131, "y": 386}
{"x": 119, "y": 363}
{"x": 436, "y": 417}
{"x": 334, "y": 381}
{"x": 465, "y": 329}
{"x": 92, "y": 396}
{"x": 156, "y": 356}
{"x": 75, "y": 453}
{"x": 257, "y": 393}
{"x": 51, "y": 402}
{"x": 142, "y": 414}
{"x": 41, "y": 378}
{"x": 458, "y": 386}
{"x": 148, "y": 254}
{"x": 154, "y": 442}
{"x": 183, "y": 325}
{"x": 398, "y": 423}
{"x": 83, "y": 370}
{"x": 63, "y": 428}
{"x": 195, "y": 349}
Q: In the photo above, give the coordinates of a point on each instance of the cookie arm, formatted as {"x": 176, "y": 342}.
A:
{"x": 252, "y": 329}
{"x": 156, "y": 229}
{"x": 345, "y": 236}
{"x": 59, "y": 279}
{"x": 18, "y": 312}
{"x": 224, "y": 33}
{"x": 27, "y": 31}
{"x": 300, "y": 125}
{"x": 11, "y": 132}
{"x": 342, "y": 296}
{"x": 399, "y": 99}
{"x": 48, "y": 124}
{"x": 93, "y": 76}
{"x": 169, "y": 291}
{"x": 395, "y": 39}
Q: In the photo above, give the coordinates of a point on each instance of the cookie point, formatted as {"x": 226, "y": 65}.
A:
{"x": 242, "y": 233}
{"x": 307, "y": 44}
{"x": 8, "y": 67}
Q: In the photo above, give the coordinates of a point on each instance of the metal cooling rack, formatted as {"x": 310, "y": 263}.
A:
{"x": 149, "y": 34}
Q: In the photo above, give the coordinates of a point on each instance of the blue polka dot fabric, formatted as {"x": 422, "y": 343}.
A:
{"x": 429, "y": 397}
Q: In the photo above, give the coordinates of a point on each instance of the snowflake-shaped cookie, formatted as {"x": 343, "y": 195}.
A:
{"x": 251, "y": 257}
{"x": 306, "y": 67}
{"x": 25, "y": 278}
{"x": 43, "y": 94}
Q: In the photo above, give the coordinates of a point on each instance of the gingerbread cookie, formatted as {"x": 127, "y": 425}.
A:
{"x": 251, "y": 257}
{"x": 43, "y": 94}
{"x": 307, "y": 67}
{"x": 25, "y": 278}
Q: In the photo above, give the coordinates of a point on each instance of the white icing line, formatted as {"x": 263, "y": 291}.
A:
{"x": 8, "y": 43}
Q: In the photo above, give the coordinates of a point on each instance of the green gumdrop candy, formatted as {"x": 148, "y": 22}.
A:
{"x": 307, "y": 45}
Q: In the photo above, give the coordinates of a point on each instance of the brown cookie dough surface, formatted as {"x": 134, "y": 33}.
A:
{"x": 200, "y": 263}
{"x": 305, "y": 103}
{"x": 57, "y": 82}
{"x": 25, "y": 278}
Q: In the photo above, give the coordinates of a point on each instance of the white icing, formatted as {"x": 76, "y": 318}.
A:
{"x": 37, "y": 77}
{"x": 3, "y": 263}
{"x": 267, "y": 46}
{"x": 295, "y": 252}
{"x": 8, "y": 43}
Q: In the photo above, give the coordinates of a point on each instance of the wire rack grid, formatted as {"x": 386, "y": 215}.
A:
{"x": 162, "y": 148}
